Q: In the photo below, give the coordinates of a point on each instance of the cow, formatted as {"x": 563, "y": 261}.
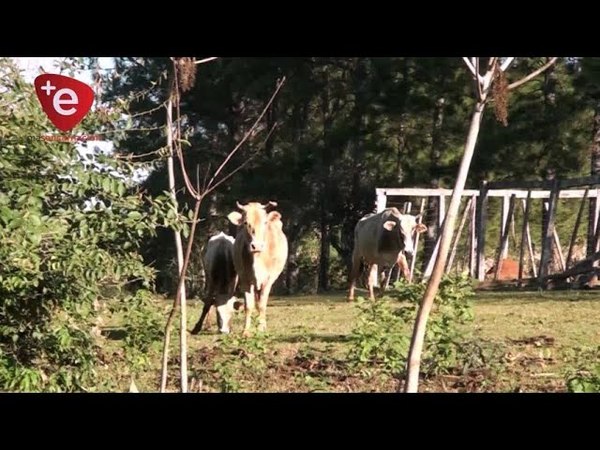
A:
{"x": 221, "y": 280}
{"x": 382, "y": 239}
{"x": 259, "y": 256}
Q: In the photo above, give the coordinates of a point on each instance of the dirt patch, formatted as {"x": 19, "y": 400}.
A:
{"x": 536, "y": 341}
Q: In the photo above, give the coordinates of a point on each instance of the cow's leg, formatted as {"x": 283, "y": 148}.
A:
{"x": 219, "y": 316}
{"x": 249, "y": 308}
{"x": 387, "y": 281}
{"x": 372, "y": 280}
{"x": 205, "y": 310}
{"x": 354, "y": 273}
{"x": 403, "y": 266}
{"x": 224, "y": 312}
{"x": 262, "y": 307}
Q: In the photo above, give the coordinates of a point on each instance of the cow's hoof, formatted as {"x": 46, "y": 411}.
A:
{"x": 195, "y": 331}
{"x": 224, "y": 331}
{"x": 246, "y": 333}
{"x": 237, "y": 305}
{"x": 262, "y": 327}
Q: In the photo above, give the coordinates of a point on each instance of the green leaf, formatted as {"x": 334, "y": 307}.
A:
{"x": 134, "y": 215}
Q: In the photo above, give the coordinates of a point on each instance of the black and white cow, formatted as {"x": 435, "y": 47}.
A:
{"x": 382, "y": 239}
{"x": 221, "y": 281}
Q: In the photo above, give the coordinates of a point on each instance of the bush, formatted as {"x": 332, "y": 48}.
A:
{"x": 583, "y": 374}
{"x": 69, "y": 225}
{"x": 381, "y": 337}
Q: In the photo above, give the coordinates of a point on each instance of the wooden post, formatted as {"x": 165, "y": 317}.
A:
{"x": 504, "y": 226}
{"x": 597, "y": 233}
{"x": 414, "y": 257}
{"x": 504, "y": 238}
{"x": 561, "y": 257}
{"x": 458, "y": 234}
{"x": 524, "y": 235}
{"x": 480, "y": 227}
{"x": 381, "y": 200}
{"x": 441, "y": 211}
{"x": 530, "y": 249}
{"x": 548, "y": 232}
{"x": 557, "y": 247}
{"x": 596, "y": 211}
{"x": 472, "y": 240}
{"x": 430, "y": 264}
{"x": 576, "y": 229}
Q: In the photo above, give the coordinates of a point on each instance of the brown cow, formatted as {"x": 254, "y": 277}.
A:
{"x": 380, "y": 239}
{"x": 259, "y": 255}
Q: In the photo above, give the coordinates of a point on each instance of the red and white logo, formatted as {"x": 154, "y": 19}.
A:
{"x": 65, "y": 100}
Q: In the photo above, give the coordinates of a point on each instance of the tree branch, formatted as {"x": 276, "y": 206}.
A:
{"x": 478, "y": 78}
{"x": 470, "y": 66}
{"x": 186, "y": 179}
{"x": 237, "y": 169}
{"x": 248, "y": 133}
{"x": 507, "y": 63}
{"x": 479, "y": 91}
{"x": 533, "y": 74}
{"x": 205, "y": 60}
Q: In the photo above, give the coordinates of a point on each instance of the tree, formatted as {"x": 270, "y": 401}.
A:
{"x": 183, "y": 76}
{"x": 70, "y": 225}
{"x": 494, "y": 78}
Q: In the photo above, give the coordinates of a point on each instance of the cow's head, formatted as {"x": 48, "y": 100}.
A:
{"x": 407, "y": 226}
{"x": 255, "y": 220}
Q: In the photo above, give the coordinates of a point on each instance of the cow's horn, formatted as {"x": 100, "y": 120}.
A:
{"x": 239, "y": 205}
{"x": 271, "y": 203}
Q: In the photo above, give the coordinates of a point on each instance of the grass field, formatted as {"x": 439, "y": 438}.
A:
{"x": 532, "y": 341}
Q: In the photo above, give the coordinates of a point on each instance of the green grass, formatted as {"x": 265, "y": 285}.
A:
{"x": 537, "y": 337}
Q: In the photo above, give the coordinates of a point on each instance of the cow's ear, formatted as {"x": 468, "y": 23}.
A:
{"x": 421, "y": 228}
{"x": 273, "y": 216}
{"x": 389, "y": 225}
{"x": 235, "y": 218}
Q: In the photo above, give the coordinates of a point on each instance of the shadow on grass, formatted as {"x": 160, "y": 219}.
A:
{"x": 312, "y": 337}
{"x": 114, "y": 333}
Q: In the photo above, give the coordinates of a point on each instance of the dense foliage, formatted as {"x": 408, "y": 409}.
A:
{"x": 71, "y": 225}
{"x": 347, "y": 126}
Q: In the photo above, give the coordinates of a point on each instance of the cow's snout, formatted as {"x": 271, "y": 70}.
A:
{"x": 408, "y": 248}
{"x": 256, "y": 246}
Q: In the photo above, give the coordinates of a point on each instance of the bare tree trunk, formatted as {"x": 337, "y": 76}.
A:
{"x": 416, "y": 347}
{"x": 433, "y": 205}
{"x": 483, "y": 83}
{"x": 179, "y": 248}
{"x": 401, "y": 139}
{"x": 595, "y": 170}
{"x": 402, "y": 107}
{"x": 324, "y": 254}
{"x": 324, "y": 226}
{"x": 292, "y": 270}
{"x": 549, "y": 88}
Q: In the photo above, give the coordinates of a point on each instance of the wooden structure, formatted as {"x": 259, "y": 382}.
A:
{"x": 475, "y": 214}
